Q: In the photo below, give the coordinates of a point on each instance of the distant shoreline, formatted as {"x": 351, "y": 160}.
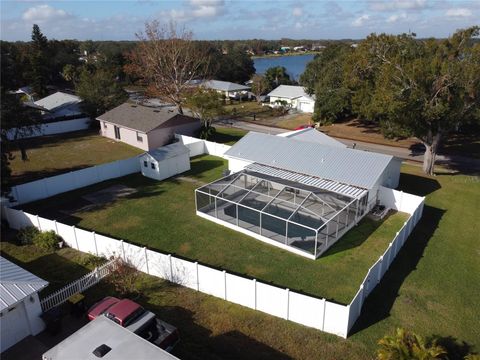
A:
{"x": 285, "y": 54}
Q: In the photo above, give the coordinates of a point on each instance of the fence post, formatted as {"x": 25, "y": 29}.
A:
{"x": 95, "y": 242}
{"x": 225, "y": 285}
{"x": 146, "y": 260}
{"x": 324, "y": 313}
{"x": 123, "y": 250}
{"x": 288, "y": 303}
{"x": 75, "y": 235}
{"x": 56, "y": 227}
{"x": 361, "y": 301}
{"x": 38, "y": 222}
{"x": 198, "y": 280}
{"x": 171, "y": 268}
{"x": 255, "y": 294}
{"x": 379, "y": 276}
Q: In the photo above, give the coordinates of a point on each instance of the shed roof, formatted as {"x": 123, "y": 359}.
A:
{"x": 168, "y": 151}
{"x": 16, "y": 284}
{"x": 289, "y": 92}
{"x": 124, "y": 344}
{"x": 313, "y": 135}
{"x": 144, "y": 118}
{"x": 224, "y": 85}
{"x": 347, "y": 166}
{"x": 58, "y": 100}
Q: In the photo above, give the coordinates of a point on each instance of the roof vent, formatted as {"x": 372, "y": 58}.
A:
{"x": 323, "y": 160}
{"x": 102, "y": 350}
{"x": 157, "y": 111}
{"x": 133, "y": 105}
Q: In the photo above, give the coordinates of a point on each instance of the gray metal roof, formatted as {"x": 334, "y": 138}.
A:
{"x": 58, "y": 100}
{"x": 124, "y": 344}
{"x": 168, "y": 151}
{"x": 16, "y": 284}
{"x": 224, "y": 85}
{"x": 144, "y": 118}
{"x": 289, "y": 92}
{"x": 313, "y": 135}
{"x": 347, "y": 166}
{"x": 333, "y": 186}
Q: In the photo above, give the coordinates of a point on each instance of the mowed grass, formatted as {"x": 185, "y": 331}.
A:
{"x": 161, "y": 215}
{"x": 228, "y": 136}
{"x": 57, "y": 154}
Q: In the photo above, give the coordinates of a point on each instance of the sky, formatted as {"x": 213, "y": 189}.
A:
{"x": 236, "y": 19}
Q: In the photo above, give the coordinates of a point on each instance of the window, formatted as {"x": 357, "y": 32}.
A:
{"x": 145, "y": 164}
{"x": 139, "y": 137}
{"x": 104, "y": 125}
{"x": 153, "y": 166}
{"x": 117, "y": 132}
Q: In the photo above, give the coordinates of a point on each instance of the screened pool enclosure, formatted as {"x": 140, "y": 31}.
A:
{"x": 299, "y": 213}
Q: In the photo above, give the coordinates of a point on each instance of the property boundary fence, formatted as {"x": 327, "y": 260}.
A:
{"x": 58, "y": 127}
{"x": 315, "y": 312}
{"x": 199, "y": 146}
{"x": 88, "y": 280}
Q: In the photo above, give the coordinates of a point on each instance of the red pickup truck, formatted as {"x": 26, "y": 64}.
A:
{"x": 135, "y": 318}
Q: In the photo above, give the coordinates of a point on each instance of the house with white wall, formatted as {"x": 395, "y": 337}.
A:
{"x": 295, "y": 96}
{"x": 145, "y": 127}
{"x": 228, "y": 89}
{"x": 20, "y": 307}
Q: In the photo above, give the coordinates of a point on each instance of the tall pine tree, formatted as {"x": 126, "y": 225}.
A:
{"x": 39, "y": 62}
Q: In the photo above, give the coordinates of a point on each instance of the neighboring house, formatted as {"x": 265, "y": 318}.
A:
{"x": 312, "y": 135}
{"x": 299, "y": 192}
{"x": 229, "y": 89}
{"x": 146, "y": 127}
{"x": 165, "y": 161}
{"x": 26, "y": 91}
{"x": 102, "y": 338}
{"x": 20, "y": 308}
{"x": 295, "y": 96}
{"x": 60, "y": 106}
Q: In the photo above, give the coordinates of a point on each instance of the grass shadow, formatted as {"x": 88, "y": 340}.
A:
{"x": 379, "y": 303}
{"x": 456, "y": 350}
{"x": 52, "y": 140}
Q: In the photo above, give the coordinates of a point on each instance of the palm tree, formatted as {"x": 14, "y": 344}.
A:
{"x": 405, "y": 345}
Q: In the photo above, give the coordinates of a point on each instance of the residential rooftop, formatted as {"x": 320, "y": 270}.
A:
{"x": 289, "y": 92}
{"x": 224, "y": 86}
{"x": 58, "y": 100}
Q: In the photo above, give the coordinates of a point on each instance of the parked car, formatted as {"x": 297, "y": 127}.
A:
{"x": 306, "y": 126}
{"x": 137, "y": 319}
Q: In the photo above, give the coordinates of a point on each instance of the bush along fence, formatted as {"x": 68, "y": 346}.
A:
{"x": 52, "y": 128}
{"x": 306, "y": 310}
{"x": 86, "y": 281}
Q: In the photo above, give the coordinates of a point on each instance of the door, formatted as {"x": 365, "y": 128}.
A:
{"x": 117, "y": 132}
{"x": 14, "y": 326}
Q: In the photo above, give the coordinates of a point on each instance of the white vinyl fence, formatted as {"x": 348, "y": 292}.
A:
{"x": 54, "y": 185}
{"x": 85, "y": 282}
{"x": 53, "y": 128}
{"x": 199, "y": 146}
{"x": 307, "y": 310}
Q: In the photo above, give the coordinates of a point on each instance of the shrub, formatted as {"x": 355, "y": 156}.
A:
{"x": 90, "y": 260}
{"x": 47, "y": 240}
{"x": 26, "y": 235}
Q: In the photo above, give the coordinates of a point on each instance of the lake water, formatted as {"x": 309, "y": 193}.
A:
{"x": 295, "y": 65}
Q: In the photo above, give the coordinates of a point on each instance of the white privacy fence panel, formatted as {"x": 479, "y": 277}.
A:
{"x": 41, "y": 189}
{"x": 199, "y": 146}
{"x": 303, "y": 309}
{"x": 52, "y": 128}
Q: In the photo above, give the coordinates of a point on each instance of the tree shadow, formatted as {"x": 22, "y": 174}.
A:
{"x": 418, "y": 185}
{"x": 379, "y": 303}
{"x": 456, "y": 350}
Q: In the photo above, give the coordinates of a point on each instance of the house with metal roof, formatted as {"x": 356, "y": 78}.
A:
{"x": 299, "y": 194}
{"x": 227, "y": 88}
{"x": 20, "y": 308}
{"x": 60, "y": 105}
{"x": 146, "y": 127}
{"x": 312, "y": 135}
{"x": 295, "y": 96}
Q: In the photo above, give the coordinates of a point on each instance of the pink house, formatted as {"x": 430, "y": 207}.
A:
{"x": 146, "y": 127}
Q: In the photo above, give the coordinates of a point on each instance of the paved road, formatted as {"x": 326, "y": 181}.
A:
{"x": 457, "y": 162}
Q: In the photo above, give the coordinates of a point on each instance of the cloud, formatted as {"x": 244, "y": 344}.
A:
{"x": 459, "y": 12}
{"x": 396, "y": 17}
{"x": 297, "y": 11}
{"x": 398, "y": 5}
{"x": 43, "y": 13}
{"x": 207, "y": 8}
{"x": 359, "y": 21}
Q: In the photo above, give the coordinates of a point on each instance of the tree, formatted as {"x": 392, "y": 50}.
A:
{"x": 235, "y": 66}
{"x": 206, "y": 105}
{"x": 421, "y": 88}
{"x": 100, "y": 91}
{"x": 167, "y": 60}
{"x": 405, "y": 345}
{"x": 70, "y": 73}
{"x": 39, "y": 62}
{"x": 259, "y": 86}
{"x": 276, "y": 76}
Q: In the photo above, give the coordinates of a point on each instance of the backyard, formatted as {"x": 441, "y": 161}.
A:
{"x": 57, "y": 154}
{"x": 431, "y": 288}
{"x": 161, "y": 215}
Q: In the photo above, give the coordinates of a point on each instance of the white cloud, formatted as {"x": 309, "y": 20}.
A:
{"x": 298, "y": 25}
{"x": 398, "y": 5}
{"x": 297, "y": 11}
{"x": 459, "y": 12}
{"x": 396, "y": 17}
{"x": 359, "y": 21}
{"x": 43, "y": 13}
{"x": 207, "y": 8}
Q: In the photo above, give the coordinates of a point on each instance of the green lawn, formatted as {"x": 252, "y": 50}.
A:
{"x": 57, "y": 154}
{"x": 431, "y": 288}
{"x": 162, "y": 216}
{"x": 225, "y": 135}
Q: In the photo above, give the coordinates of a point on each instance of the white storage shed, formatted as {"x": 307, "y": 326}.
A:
{"x": 165, "y": 162}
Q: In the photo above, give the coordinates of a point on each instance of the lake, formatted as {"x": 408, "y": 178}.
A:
{"x": 295, "y": 65}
